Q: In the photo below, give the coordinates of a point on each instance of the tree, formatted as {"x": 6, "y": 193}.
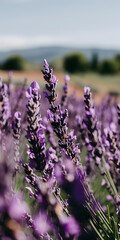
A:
{"x": 94, "y": 62}
{"x": 75, "y": 62}
{"x": 14, "y": 63}
{"x": 117, "y": 58}
{"x": 109, "y": 66}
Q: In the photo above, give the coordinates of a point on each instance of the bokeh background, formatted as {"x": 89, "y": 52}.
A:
{"x": 81, "y": 38}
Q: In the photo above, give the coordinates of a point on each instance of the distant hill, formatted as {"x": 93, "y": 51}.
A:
{"x": 37, "y": 55}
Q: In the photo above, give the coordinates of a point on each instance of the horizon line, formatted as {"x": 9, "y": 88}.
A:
{"x": 98, "y": 47}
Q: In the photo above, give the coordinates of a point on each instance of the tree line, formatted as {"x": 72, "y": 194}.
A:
{"x": 77, "y": 62}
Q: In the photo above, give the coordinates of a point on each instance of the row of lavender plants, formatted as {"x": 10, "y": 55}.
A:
{"x": 59, "y": 163}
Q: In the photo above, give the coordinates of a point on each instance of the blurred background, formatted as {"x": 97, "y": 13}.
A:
{"x": 81, "y": 38}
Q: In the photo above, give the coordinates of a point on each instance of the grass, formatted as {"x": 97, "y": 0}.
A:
{"x": 98, "y": 83}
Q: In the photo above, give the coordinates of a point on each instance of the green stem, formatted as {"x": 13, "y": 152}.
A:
{"x": 109, "y": 178}
{"x": 61, "y": 201}
{"x": 92, "y": 224}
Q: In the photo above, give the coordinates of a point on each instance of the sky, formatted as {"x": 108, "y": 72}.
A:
{"x": 81, "y": 23}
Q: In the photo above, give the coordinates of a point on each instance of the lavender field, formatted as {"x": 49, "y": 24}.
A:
{"x": 59, "y": 162}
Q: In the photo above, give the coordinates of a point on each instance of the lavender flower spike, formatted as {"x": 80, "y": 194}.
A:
{"x": 65, "y": 90}
{"x": 5, "y": 111}
{"x": 46, "y": 65}
{"x": 35, "y": 130}
{"x": 16, "y": 125}
{"x": 86, "y": 90}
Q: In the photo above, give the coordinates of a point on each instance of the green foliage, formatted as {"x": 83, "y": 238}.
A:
{"x": 75, "y": 62}
{"x": 118, "y": 59}
{"x": 14, "y": 63}
{"x": 94, "y": 63}
{"x": 109, "y": 66}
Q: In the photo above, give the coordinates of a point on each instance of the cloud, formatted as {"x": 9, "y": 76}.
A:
{"x": 10, "y": 42}
{"x": 19, "y": 42}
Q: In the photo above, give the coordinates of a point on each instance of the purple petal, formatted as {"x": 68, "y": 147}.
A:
{"x": 17, "y": 115}
{"x": 86, "y": 90}
{"x": 67, "y": 78}
{"x": 35, "y": 85}
{"x": 46, "y": 65}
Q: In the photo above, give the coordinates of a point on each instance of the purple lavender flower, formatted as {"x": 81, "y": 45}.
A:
{"x": 5, "y": 112}
{"x": 87, "y": 91}
{"x": 65, "y": 91}
{"x": 16, "y": 125}
{"x": 71, "y": 227}
{"x": 17, "y": 208}
{"x": 35, "y": 130}
{"x": 58, "y": 117}
{"x": 93, "y": 141}
{"x": 51, "y": 84}
{"x": 12, "y": 207}
{"x": 41, "y": 223}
